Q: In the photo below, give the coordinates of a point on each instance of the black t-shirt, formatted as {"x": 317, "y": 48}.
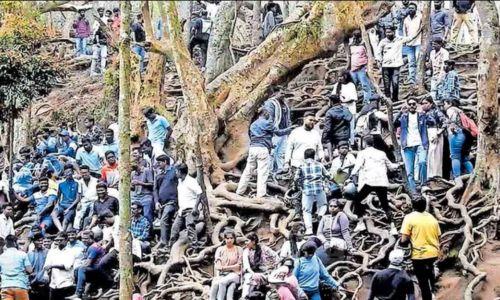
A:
{"x": 391, "y": 284}
{"x": 139, "y": 33}
{"x": 111, "y": 203}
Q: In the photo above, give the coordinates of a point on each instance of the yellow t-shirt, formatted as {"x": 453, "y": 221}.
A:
{"x": 423, "y": 230}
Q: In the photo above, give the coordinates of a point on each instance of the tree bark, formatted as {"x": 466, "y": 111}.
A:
{"x": 426, "y": 30}
{"x": 219, "y": 52}
{"x": 125, "y": 255}
{"x": 256, "y": 30}
{"x": 486, "y": 173}
{"x": 239, "y": 91}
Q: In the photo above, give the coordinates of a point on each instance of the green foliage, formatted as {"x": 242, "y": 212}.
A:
{"x": 24, "y": 74}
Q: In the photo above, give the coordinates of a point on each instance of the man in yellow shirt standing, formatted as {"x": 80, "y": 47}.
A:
{"x": 422, "y": 230}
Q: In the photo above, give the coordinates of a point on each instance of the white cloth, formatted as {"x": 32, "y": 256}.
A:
{"x": 258, "y": 158}
{"x": 286, "y": 248}
{"x": 337, "y": 163}
{"x": 411, "y": 27}
{"x": 413, "y": 138}
{"x": 187, "y": 193}
{"x": 372, "y": 166}
{"x": 116, "y": 131}
{"x": 60, "y": 278}
{"x": 390, "y": 53}
{"x": 435, "y": 153}
{"x": 88, "y": 192}
{"x": 6, "y": 226}
{"x": 299, "y": 141}
{"x": 437, "y": 61}
{"x": 113, "y": 234}
{"x": 348, "y": 96}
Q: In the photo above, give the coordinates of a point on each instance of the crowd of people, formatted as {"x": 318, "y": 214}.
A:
{"x": 64, "y": 242}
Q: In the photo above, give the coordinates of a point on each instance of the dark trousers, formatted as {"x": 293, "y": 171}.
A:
{"x": 167, "y": 220}
{"x": 424, "y": 271}
{"x": 39, "y": 291}
{"x": 381, "y": 192}
{"x": 61, "y": 294}
{"x": 390, "y": 77}
{"x": 183, "y": 220}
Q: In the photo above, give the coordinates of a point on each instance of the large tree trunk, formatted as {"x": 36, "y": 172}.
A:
{"x": 239, "y": 91}
{"x": 426, "y": 30}
{"x": 125, "y": 256}
{"x": 256, "y": 30}
{"x": 487, "y": 174}
{"x": 219, "y": 53}
{"x": 199, "y": 114}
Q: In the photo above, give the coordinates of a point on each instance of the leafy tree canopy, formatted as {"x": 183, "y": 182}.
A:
{"x": 25, "y": 74}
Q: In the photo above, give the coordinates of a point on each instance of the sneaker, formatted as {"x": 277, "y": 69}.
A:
{"x": 394, "y": 230}
{"x": 74, "y": 297}
{"x": 360, "y": 227}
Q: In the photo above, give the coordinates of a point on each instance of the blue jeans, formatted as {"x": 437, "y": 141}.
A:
{"x": 307, "y": 207}
{"x": 81, "y": 46}
{"x": 410, "y": 154}
{"x": 81, "y": 277}
{"x": 456, "y": 141}
{"x": 360, "y": 77}
{"x": 139, "y": 50}
{"x": 313, "y": 295}
{"x": 413, "y": 53}
{"x": 278, "y": 153}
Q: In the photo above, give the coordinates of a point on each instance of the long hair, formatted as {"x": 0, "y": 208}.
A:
{"x": 252, "y": 236}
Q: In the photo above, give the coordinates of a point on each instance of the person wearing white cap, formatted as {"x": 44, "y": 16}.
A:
{"x": 392, "y": 283}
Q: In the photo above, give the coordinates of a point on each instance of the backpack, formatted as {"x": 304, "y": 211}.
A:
{"x": 469, "y": 125}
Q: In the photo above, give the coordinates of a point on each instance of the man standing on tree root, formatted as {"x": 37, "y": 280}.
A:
{"x": 372, "y": 166}
{"x": 261, "y": 142}
{"x": 422, "y": 230}
{"x": 311, "y": 176}
{"x": 279, "y": 114}
{"x": 189, "y": 195}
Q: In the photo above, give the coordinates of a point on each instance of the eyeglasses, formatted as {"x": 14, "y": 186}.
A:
{"x": 412, "y": 104}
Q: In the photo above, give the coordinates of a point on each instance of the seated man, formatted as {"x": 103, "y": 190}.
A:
{"x": 43, "y": 201}
{"x": 67, "y": 200}
{"x": 89, "y": 270}
{"x": 140, "y": 227}
{"x": 103, "y": 203}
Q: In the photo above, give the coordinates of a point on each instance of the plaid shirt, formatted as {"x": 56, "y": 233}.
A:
{"x": 449, "y": 87}
{"x": 310, "y": 176}
{"x": 140, "y": 228}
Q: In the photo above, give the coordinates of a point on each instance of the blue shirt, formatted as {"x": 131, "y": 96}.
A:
{"x": 311, "y": 175}
{"x": 68, "y": 189}
{"x": 309, "y": 272}
{"x": 449, "y": 87}
{"x": 13, "y": 264}
{"x": 165, "y": 189}
{"x": 440, "y": 20}
{"x": 41, "y": 201}
{"x": 262, "y": 131}
{"x": 37, "y": 260}
{"x": 157, "y": 130}
{"x": 94, "y": 253}
{"x": 90, "y": 159}
{"x": 140, "y": 228}
{"x": 110, "y": 147}
{"x": 68, "y": 149}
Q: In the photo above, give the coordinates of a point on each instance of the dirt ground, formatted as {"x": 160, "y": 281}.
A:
{"x": 453, "y": 284}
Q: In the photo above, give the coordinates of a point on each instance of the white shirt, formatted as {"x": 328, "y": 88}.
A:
{"x": 187, "y": 193}
{"x": 300, "y": 140}
{"x": 60, "y": 278}
{"x": 372, "y": 165}
{"x": 413, "y": 138}
{"x": 349, "y": 160}
{"x": 411, "y": 27}
{"x": 88, "y": 192}
{"x": 390, "y": 53}
{"x": 437, "y": 60}
{"x": 286, "y": 249}
{"x": 6, "y": 226}
{"x": 348, "y": 96}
